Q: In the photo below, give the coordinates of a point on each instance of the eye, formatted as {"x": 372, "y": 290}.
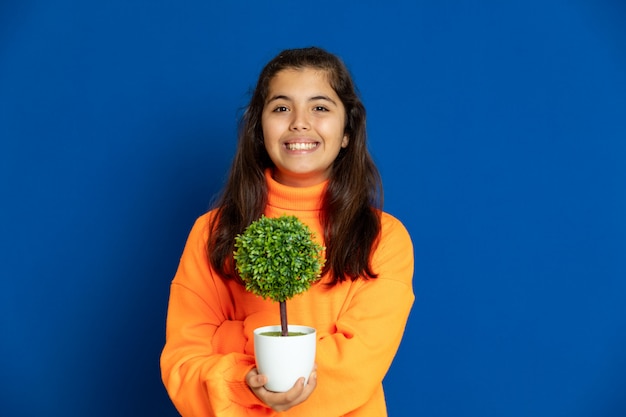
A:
{"x": 280, "y": 109}
{"x": 320, "y": 108}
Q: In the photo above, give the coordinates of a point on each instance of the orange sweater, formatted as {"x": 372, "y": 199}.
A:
{"x": 209, "y": 344}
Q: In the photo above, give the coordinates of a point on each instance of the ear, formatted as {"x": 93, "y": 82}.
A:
{"x": 345, "y": 141}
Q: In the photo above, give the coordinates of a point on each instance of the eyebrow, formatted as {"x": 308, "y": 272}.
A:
{"x": 287, "y": 98}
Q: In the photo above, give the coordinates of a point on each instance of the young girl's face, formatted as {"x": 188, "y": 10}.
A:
{"x": 303, "y": 126}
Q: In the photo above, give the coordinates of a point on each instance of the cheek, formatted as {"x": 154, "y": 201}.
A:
{"x": 271, "y": 129}
{"x": 267, "y": 138}
{"x": 271, "y": 139}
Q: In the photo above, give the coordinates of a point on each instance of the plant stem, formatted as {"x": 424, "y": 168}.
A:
{"x": 283, "y": 318}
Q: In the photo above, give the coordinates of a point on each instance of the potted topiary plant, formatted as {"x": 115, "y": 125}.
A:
{"x": 277, "y": 259}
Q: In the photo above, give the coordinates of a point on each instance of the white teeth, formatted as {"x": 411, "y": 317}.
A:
{"x": 301, "y": 146}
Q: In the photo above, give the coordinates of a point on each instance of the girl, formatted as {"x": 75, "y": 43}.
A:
{"x": 302, "y": 151}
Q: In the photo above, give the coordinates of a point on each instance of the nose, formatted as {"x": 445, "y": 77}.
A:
{"x": 300, "y": 120}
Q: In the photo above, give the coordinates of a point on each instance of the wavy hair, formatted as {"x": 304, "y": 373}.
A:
{"x": 352, "y": 202}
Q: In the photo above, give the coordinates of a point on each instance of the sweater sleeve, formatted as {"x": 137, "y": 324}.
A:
{"x": 203, "y": 363}
{"x": 353, "y": 360}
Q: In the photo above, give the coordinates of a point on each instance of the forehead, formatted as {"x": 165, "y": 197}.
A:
{"x": 300, "y": 79}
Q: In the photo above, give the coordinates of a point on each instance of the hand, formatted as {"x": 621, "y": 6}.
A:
{"x": 281, "y": 401}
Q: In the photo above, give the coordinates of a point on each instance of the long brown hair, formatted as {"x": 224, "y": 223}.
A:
{"x": 350, "y": 214}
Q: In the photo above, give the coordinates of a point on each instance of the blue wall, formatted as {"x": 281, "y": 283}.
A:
{"x": 500, "y": 131}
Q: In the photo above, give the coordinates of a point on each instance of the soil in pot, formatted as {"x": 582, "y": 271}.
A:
{"x": 279, "y": 334}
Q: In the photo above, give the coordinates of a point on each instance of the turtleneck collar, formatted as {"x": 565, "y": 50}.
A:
{"x": 283, "y": 197}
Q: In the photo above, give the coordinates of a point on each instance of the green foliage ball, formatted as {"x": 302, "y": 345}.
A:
{"x": 277, "y": 257}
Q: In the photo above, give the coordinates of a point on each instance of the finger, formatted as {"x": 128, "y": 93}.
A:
{"x": 255, "y": 380}
{"x": 296, "y": 391}
{"x": 310, "y": 386}
{"x": 259, "y": 381}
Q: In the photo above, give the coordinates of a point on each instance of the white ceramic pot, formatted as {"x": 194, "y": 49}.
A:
{"x": 284, "y": 359}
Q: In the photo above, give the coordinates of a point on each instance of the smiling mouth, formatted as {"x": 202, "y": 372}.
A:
{"x": 299, "y": 146}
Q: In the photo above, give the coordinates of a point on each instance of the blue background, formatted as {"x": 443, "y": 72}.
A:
{"x": 500, "y": 131}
